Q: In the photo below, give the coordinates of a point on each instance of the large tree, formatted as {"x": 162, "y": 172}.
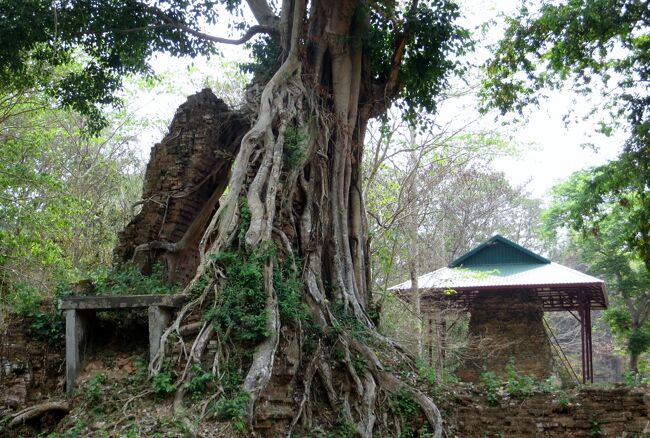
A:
{"x": 598, "y": 49}
{"x": 322, "y": 71}
{"x": 602, "y": 246}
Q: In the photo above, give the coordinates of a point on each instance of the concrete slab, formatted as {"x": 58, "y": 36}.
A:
{"x": 109, "y": 302}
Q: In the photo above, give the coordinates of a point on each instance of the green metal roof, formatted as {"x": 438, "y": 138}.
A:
{"x": 498, "y": 251}
{"x": 501, "y": 265}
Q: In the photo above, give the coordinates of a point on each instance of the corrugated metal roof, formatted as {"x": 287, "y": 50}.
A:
{"x": 507, "y": 275}
{"x": 499, "y": 266}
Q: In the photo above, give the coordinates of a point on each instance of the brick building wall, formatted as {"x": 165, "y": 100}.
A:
{"x": 507, "y": 326}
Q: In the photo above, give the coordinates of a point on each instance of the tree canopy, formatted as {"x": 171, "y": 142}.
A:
{"x": 602, "y": 246}
{"x": 411, "y": 49}
{"x": 590, "y": 46}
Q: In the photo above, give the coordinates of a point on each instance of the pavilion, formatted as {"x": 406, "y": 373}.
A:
{"x": 506, "y": 288}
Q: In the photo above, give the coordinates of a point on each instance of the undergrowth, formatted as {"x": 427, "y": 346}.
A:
{"x": 126, "y": 279}
{"x": 128, "y": 406}
{"x": 517, "y": 385}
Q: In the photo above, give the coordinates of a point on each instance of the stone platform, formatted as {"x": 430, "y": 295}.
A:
{"x": 78, "y": 311}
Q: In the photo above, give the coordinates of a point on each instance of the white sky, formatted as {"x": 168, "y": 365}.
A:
{"x": 549, "y": 150}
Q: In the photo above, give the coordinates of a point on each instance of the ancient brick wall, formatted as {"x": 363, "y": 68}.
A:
{"x": 30, "y": 370}
{"x": 185, "y": 170}
{"x": 505, "y": 326}
{"x": 586, "y": 412}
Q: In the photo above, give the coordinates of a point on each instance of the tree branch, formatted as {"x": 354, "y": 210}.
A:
{"x": 263, "y": 13}
{"x": 250, "y": 33}
{"x": 392, "y": 84}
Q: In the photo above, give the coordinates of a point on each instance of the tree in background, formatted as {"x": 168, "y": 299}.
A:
{"x": 63, "y": 196}
{"x": 602, "y": 246}
{"x": 593, "y": 46}
{"x": 430, "y": 197}
{"x": 323, "y": 70}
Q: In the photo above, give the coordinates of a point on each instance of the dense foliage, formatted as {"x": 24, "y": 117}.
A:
{"x": 63, "y": 195}
{"x": 592, "y": 46}
{"x": 603, "y": 247}
{"x": 110, "y": 38}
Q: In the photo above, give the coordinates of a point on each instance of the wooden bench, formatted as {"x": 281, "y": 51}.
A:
{"x": 79, "y": 309}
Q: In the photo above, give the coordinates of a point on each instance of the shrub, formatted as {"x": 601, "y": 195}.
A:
{"x": 492, "y": 386}
{"x": 519, "y": 386}
{"x": 162, "y": 383}
{"x": 24, "y": 300}
{"x": 234, "y": 409}
{"x": 94, "y": 393}
{"x": 200, "y": 381}
{"x": 126, "y": 279}
{"x": 48, "y": 327}
{"x": 242, "y": 301}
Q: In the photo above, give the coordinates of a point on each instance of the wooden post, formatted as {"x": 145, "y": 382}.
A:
{"x": 430, "y": 321}
{"x": 442, "y": 341}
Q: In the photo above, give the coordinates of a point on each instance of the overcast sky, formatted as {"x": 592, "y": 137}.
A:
{"x": 550, "y": 149}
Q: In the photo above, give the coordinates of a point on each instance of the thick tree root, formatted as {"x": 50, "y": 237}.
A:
{"x": 319, "y": 216}
{"x": 37, "y": 411}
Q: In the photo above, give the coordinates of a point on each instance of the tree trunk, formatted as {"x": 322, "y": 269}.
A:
{"x": 413, "y": 244}
{"x": 634, "y": 364}
{"x": 293, "y": 215}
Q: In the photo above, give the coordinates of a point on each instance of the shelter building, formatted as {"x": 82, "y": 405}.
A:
{"x": 506, "y": 288}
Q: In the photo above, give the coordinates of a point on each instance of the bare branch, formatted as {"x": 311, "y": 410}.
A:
{"x": 263, "y": 13}
{"x": 169, "y": 22}
{"x": 250, "y": 33}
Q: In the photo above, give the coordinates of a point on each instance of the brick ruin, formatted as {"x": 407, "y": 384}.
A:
{"x": 30, "y": 369}
{"x": 507, "y": 326}
{"x": 586, "y": 412}
{"x": 186, "y": 174}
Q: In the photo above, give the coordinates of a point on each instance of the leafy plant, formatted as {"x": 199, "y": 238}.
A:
{"x": 287, "y": 286}
{"x": 518, "y": 385}
{"x": 595, "y": 430}
{"x": 242, "y": 301}
{"x": 126, "y": 279}
{"x": 141, "y": 370}
{"x": 24, "y": 299}
{"x": 48, "y": 327}
{"x": 492, "y": 386}
{"x": 162, "y": 383}
{"x": 294, "y": 146}
{"x": 234, "y": 409}
{"x": 199, "y": 382}
{"x": 406, "y": 408}
{"x": 232, "y": 376}
{"x": 94, "y": 392}
{"x": 562, "y": 398}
